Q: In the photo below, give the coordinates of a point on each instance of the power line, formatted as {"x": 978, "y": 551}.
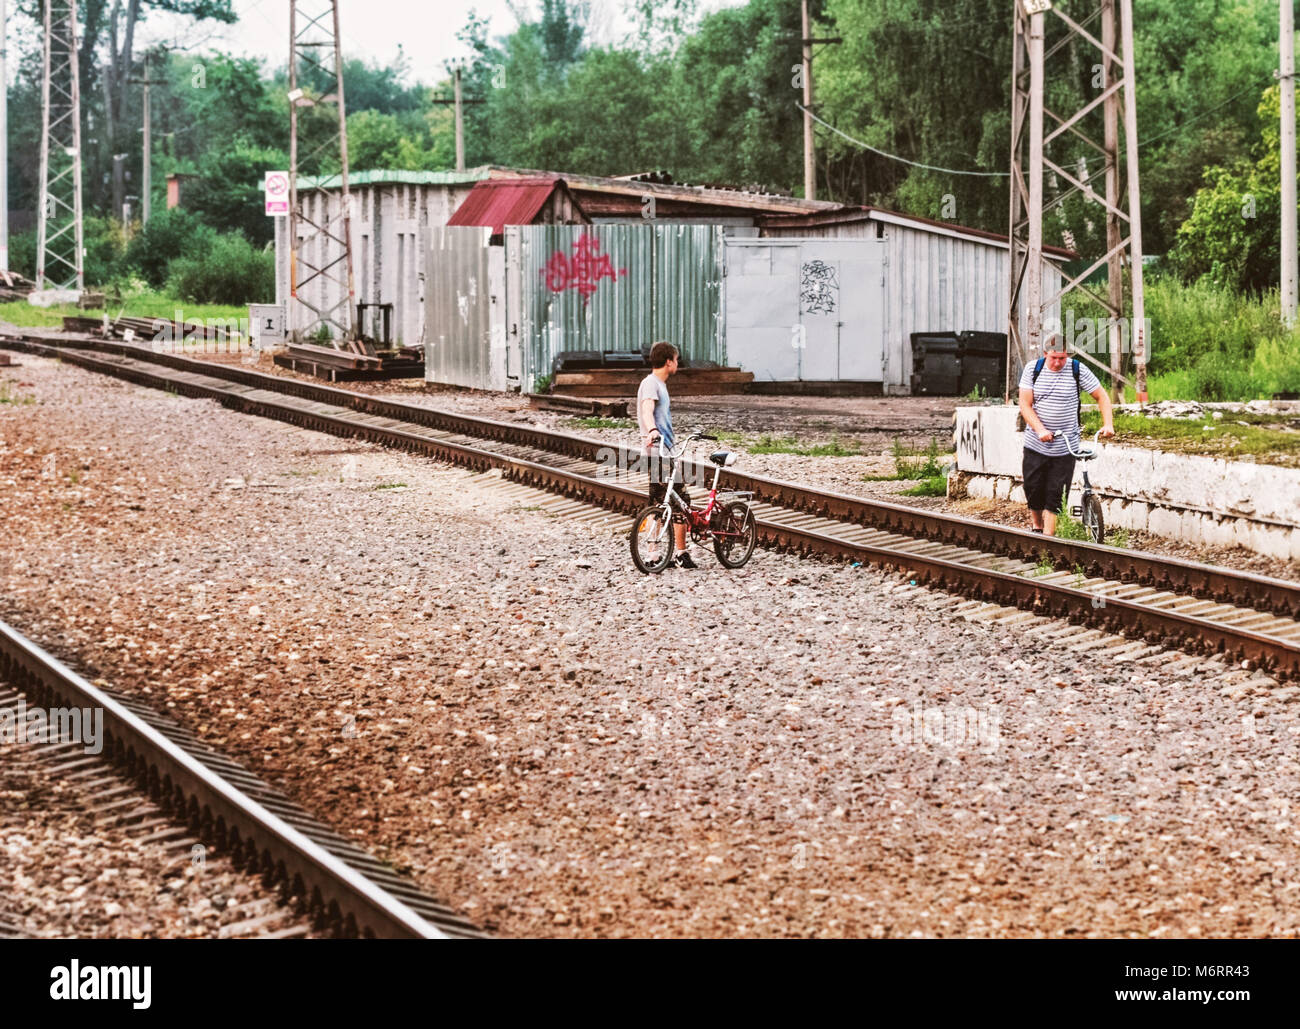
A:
{"x": 895, "y": 157}
{"x": 1003, "y": 175}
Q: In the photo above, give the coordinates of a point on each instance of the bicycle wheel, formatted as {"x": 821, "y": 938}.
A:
{"x": 735, "y": 534}
{"x": 1093, "y": 522}
{"x": 651, "y": 539}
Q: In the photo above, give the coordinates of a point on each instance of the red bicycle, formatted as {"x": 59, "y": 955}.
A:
{"x": 726, "y": 520}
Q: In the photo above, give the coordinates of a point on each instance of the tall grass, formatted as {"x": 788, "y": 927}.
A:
{"x": 1209, "y": 343}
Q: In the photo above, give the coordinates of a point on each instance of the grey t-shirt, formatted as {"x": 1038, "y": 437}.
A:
{"x": 652, "y": 389}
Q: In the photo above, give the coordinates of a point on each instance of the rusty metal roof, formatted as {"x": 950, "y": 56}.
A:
{"x": 502, "y": 202}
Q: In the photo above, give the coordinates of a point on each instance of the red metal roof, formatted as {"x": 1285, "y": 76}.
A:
{"x": 502, "y": 202}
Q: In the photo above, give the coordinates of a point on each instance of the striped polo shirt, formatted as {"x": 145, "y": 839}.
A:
{"x": 1056, "y": 402}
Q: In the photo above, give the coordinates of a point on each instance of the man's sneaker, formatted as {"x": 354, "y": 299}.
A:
{"x": 683, "y": 560}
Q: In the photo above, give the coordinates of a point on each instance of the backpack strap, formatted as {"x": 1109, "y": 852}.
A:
{"x": 1038, "y": 367}
{"x": 1078, "y": 387}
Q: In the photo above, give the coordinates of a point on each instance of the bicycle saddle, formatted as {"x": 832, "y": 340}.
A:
{"x": 722, "y": 458}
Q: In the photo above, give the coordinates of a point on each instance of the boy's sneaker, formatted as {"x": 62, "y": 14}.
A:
{"x": 683, "y": 560}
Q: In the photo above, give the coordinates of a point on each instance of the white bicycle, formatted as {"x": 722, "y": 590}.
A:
{"x": 1088, "y": 510}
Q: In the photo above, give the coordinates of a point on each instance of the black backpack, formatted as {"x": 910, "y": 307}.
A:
{"x": 1074, "y": 361}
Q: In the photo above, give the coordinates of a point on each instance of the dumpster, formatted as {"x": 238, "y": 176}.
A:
{"x": 936, "y": 363}
{"x": 983, "y": 363}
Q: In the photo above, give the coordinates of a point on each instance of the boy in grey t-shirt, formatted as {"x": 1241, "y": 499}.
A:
{"x": 654, "y": 416}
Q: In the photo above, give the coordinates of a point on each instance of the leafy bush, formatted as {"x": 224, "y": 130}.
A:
{"x": 168, "y": 235}
{"x": 104, "y": 242}
{"x": 1278, "y": 362}
{"x": 22, "y": 253}
{"x": 230, "y": 271}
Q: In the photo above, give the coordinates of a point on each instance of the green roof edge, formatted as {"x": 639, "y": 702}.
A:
{"x": 396, "y": 177}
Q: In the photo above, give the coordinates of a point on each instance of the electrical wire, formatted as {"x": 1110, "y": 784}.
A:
{"x": 1003, "y": 175}
{"x": 895, "y": 157}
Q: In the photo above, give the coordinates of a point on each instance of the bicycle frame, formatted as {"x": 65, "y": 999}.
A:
{"x": 697, "y": 519}
{"x": 1083, "y": 456}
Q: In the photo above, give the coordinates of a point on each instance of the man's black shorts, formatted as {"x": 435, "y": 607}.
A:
{"x": 1046, "y": 479}
{"x": 658, "y": 488}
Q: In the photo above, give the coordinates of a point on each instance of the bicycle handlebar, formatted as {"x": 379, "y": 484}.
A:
{"x": 680, "y": 449}
{"x": 1085, "y": 454}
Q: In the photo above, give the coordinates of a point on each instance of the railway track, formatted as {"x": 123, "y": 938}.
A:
{"x": 1160, "y": 601}
{"x": 159, "y": 782}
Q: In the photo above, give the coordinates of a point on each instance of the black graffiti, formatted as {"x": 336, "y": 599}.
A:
{"x": 819, "y": 289}
{"x": 971, "y": 441}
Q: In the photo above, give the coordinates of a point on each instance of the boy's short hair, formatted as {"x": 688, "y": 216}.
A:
{"x": 661, "y": 353}
{"x": 1054, "y": 344}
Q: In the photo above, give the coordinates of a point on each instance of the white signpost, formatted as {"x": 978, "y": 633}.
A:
{"x": 277, "y": 193}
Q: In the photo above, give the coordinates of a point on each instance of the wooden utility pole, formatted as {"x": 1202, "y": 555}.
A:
{"x": 1286, "y": 78}
{"x": 458, "y": 101}
{"x": 807, "y": 42}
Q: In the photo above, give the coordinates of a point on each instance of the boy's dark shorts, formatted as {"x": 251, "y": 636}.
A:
{"x": 1046, "y": 479}
{"x": 658, "y": 488}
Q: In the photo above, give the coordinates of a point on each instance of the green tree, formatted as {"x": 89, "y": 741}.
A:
{"x": 1232, "y": 235}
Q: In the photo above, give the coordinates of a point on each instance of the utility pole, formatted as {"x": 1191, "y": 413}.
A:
{"x": 119, "y": 183}
{"x": 809, "y": 156}
{"x": 1031, "y": 144}
{"x": 1286, "y": 76}
{"x": 4, "y": 139}
{"x": 809, "y": 148}
{"x": 60, "y": 246}
{"x": 146, "y": 161}
{"x": 1114, "y": 192}
{"x": 460, "y": 125}
{"x": 320, "y": 239}
{"x": 458, "y": 101}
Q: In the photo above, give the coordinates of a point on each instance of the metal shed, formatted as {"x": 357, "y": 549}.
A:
{"x": 391, "y": 211}
{"x": 938, "y": 277}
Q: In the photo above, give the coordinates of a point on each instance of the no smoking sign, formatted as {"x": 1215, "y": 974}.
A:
{"x": 276, "y": 190}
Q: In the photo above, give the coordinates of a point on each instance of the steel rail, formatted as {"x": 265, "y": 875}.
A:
{"x": 1262, "y": 593}
{"x": 199, "y": 793}
{"x": 1075, "y": 605}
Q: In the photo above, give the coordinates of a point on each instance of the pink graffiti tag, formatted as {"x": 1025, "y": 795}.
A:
{"x": 582, "y": 271}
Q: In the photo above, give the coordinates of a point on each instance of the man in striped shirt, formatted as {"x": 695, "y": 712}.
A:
{"x": 1050, "y": 393}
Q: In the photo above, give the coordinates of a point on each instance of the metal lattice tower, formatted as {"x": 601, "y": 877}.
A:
{"x": 321, "y": 284}
{"x": 1035, "y": 150}
{"x": 59, "y": 242}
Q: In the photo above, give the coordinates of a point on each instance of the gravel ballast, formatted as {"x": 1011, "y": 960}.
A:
{"x": 496, "y": 701}
{"x": 68, "y": 871}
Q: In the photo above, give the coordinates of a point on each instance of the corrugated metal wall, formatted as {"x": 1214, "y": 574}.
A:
{"x": 388, "y": 259}
{"x": 617, "y": 287}
{"x": 459, "y": 307}
{"x": 934, "y": 283}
